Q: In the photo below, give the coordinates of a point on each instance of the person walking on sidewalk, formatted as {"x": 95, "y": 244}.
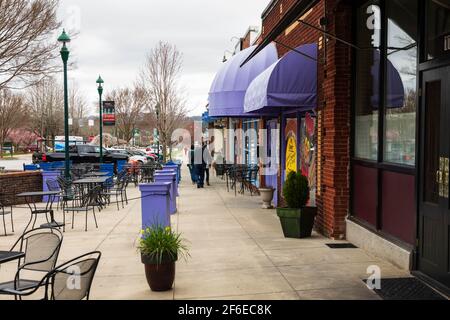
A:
{"x": 207, "y": 155}
{"x": 200, "y": 166}
{"x": 191, "y": 164}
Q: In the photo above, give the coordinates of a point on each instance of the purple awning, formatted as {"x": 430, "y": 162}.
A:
{"x": 226, "y": 97}
{"x": 291, "y": 82}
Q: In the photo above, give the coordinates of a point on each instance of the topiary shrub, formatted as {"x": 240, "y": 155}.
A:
{"x": 296, "y": 190}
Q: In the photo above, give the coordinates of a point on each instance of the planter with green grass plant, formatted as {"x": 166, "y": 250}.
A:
{"x": 297, "y": 220}
{"x": 160, "y": 248}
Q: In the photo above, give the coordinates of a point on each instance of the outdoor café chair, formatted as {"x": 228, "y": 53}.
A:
{"x": 41, "y": 248}
{"x": 69, "y": 281}
{"x": 4, "y": 211}
{"x": 69, "y": 192}
{"x": 119, "y": 189}
{"x": 53, "y": 185}
{"x": 87, "y": 202}
{"x": 250, "y": 178}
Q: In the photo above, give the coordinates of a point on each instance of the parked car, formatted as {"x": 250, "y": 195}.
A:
{"x": 154, "y": 149}
{"x": 133, "y": 155}
{"x": 84, "y": 154}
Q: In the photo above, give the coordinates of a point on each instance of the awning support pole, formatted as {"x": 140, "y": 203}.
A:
{"x": 295, "y": 50}
{"x": 329, "y": 34}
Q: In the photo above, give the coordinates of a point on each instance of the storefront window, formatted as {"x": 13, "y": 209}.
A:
{"x": 367, "y": 80}
{"x": 438, "y": 28}
{"x": 400, "y": 101}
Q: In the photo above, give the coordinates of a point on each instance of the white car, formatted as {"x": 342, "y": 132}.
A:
{"x": 133, "y": 155}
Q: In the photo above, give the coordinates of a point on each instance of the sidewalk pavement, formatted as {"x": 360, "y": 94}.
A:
{"x": 237, "y": 252}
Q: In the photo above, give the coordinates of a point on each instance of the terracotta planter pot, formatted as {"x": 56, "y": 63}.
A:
{"x": 160, "y": 277}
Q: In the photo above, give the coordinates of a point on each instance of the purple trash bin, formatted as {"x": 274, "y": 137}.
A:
{"x": 155, "y": 204}
{"x": 170, "y": 177}
{"x": 48, "y": 175}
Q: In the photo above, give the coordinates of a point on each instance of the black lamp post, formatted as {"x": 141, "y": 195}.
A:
{"x": 100, "y": 92}
{"x": 64, "y": 39}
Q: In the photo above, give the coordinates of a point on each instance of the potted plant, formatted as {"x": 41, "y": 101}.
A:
{"x": 297, "y": 220}
{"x": 266, "y": 195}
{"x": 160, "y": 248}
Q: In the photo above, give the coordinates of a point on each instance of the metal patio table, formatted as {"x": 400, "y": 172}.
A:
{"x": 87, "y": 184}
{"x": 35, "y": 211}
{"x": 8, "y": 256}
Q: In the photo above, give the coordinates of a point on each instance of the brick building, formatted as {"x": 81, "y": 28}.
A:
{"x": 380, "y": 145}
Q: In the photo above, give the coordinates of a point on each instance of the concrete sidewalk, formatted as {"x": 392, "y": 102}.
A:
{"x": 237, "y": 252}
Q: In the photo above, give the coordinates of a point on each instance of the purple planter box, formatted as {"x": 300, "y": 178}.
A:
{"x": 171, "y": 170}
{"x": 170, "y": 177}
{"x": 48, "y": 175}
{"x": 155, "y": 204}
{"x": 174, "y": 167}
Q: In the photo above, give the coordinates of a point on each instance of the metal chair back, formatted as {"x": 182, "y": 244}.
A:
{"x": 73, "y": 280}
{"x": 41, "y": 247}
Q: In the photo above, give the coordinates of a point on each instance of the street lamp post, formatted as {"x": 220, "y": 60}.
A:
{"x": 64, "y": 39}
{"x": 100, "y": 92}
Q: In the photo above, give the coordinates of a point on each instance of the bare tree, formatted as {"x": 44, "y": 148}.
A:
{"x": 160, "y": 76}
{"x": 45, "y": 104}
{"x": 11, "y": 114}
{"x": 27, "y": 50}
{"x": 78, "y": 109}
{"x": 130, "y": 104}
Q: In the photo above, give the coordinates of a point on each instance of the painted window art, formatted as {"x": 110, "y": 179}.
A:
{"x": 308, "y": 153}
{"x": 291, "y": 146}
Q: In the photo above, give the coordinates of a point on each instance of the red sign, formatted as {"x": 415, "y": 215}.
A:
{"x": 108, "y": 118}
{"x": 109, "y": 113}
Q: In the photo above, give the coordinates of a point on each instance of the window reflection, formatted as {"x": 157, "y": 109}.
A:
{"x": 401, "y": 70}
{"x": 367, "y": 80}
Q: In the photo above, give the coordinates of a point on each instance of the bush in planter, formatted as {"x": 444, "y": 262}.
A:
{"x": 297, "y": 220}
{"x": 296, "y": 190}
{"x": 160, "y": 248}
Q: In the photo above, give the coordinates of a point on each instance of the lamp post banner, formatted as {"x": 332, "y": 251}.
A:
{"x": 109, "y": 113}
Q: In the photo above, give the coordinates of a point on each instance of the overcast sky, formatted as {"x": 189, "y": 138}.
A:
{"x": 115, "y": 36}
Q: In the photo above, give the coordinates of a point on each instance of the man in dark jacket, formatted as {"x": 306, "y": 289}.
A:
{"x": 191, "y": 164}
{"x": 200, "y": 165}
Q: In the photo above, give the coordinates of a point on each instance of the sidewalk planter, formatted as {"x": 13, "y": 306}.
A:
{"x": 297, "y": 223}
{"x": 169, "y": 178}
{"x": 155, "y": 204}
{"x": 160, "y": 277}
{"x": 176, "y": 167}
{"x": 267, "y": 197}
{"x": 297, "y": 220}
{"x": 171, "y": 170}
{"x": 160, "y": 248}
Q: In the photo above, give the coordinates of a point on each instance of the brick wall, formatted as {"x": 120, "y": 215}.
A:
{"x": 14, "y": 183}
{"x": 334, "y": 79}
